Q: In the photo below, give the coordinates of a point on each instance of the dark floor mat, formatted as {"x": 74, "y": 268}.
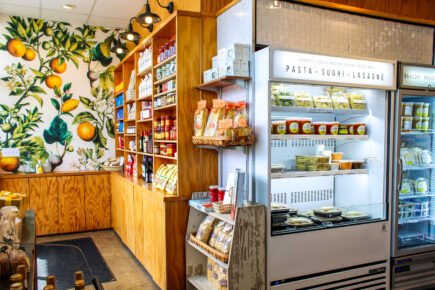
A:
{"x": 63, "y": 261}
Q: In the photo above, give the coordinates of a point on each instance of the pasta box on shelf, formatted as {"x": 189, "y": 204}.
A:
{"x": 19, "y": 200}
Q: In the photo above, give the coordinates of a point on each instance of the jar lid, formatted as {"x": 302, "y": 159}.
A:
{"x": 222, "y": 188}
{"x": 214, "y": 186}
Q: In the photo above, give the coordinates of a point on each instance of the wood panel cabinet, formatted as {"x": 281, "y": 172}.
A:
{"x": 138, "y": 224}
{"x": 71, "y": 204}
{"x": 20, "y": 185}
{"x": 44, "y": 199}
{"x": 97, "y": 202}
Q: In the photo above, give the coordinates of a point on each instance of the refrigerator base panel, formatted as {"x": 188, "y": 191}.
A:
{"x": 302, "y": 254}
{"x": 368, "y": 276}
{"x": 413, "y": 272}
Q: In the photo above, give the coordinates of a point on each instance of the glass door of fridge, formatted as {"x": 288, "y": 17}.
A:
{"x": 415, "y": 190}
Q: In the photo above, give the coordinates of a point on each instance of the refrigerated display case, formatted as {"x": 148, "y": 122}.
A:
{"x": 326, "y": 216}
{"x": 413, "y": 242}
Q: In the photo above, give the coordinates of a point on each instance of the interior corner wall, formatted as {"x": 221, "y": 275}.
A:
{"x": 69, "y": 128}
{"x": 295, "y": 26}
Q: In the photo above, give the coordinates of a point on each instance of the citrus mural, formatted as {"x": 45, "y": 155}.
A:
{"x": 56, "y": 94}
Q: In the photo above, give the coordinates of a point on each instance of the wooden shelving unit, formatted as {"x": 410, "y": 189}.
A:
{"x": 247, "y": 251}
{"x": 139, "y": 209}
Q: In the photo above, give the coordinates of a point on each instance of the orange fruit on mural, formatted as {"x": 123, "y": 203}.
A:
{"x": 53, "y": 80}
{"x": 9, "y": 163}
{"x": 86, "y": 131}
{"x": 69, "y": 105}
{"x": 29, "y": 55}
{"x": 57, "y": 67}
{"x": 16, "y": 47}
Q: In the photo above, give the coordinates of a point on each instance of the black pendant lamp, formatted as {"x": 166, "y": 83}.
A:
{"x": 130, "y": 35}
{"x": 148, "y": 17}
{"x": 118, "y": 48}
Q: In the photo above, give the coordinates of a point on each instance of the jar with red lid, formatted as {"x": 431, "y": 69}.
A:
{"x": 168, "y": 121}
{"x": 214, "y": 193}
{"x": 359, "y": 128}
{"x": 156, "y": 149}
{"x": 156, "y": 122}
{"x": 221, "y": 193}
{"x": 168, "y": 133}
{"x": 350, "y": 129}
{"x": 304, "y": 125}
{"x": 320, "y": 128}
{"x": 170, "y": 150}
{"x": 292, "y": 125}
{"x": 163, "y": 149}
{"x": 332, "y": 128}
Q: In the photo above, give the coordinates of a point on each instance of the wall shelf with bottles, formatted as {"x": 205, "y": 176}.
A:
{"x": 227, "y": 81}
{"x": 165, "y": 93}
{"x": 166, "y": 61}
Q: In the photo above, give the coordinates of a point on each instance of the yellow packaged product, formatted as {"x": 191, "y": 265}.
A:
{"x": 169, "y": 174}
{"x": 225, "y": 128}
{"x": 230, "y": 112}
{"x": 322, "y": 102}
{"x": 227, "y": 242}
{"x": 357, "y": 101}
{"x": 219, "y": 244}
{"x": 241, "y": 118}
{"x": 222, "y": 279}
{"x": 205, "y": 228}
{"x": 242, "y": 132}
{"x": 334, "y": 90}
{"x": 200, "y": 119}
{"x": 210, "y": 264}
{"x": 216, "y": 114}
{"x": 215, "y": 276}
{"x": 157, "y": 175}
{"x": 171, "y": 186}
{"x": 217, "y": 229}
{"x": 340, "y": 101}
{"x": 304, "y": 100}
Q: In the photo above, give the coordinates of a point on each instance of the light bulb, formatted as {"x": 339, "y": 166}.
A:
{"x": 130, "y": 36}
{"x": 119, "y": 50}
{"x": 148, "y": 20}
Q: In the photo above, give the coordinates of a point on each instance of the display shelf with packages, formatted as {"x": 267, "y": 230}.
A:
{"x": 223, "y": 82}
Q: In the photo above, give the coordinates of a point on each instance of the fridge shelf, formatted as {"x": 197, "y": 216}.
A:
{"x": 416, "y": 196}
{"x": 279, "y": 109}
{"x": 294, "y": 174}
{"x": 417, "y": 133}
{"x": 318, "y": 137}
{"x": 415, "y": 220}
{"x": 421, "y": 167}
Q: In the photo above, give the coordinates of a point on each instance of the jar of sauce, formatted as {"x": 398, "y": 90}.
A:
{"x": 278, "y": 127}
{"x": 417, "y": 123}
{"x": 425, "y": 124}
{"x": 221, "y": 193}
{"x": 156, "y": 149}
{"x": 426, "y": 107}
{"x": 332, "y": 128}
{"x": 292, "y": 125}
{"x": 407, "y": 109}
{"x": 170, "y": 150}
{"x": 342, "y": 129}
{"x": 214, "y": 193}
{"x": 350, "y": 129}
{"x": 305, "y": 126}
{"x": 359, "y": 128}
{"x": 320, "y": 128}
{"x": 418, "y": 109}
{"x": 407, "y": 124}
{"x": 163, "y": 149}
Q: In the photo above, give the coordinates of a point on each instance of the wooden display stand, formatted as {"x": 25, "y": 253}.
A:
{"x": 149, "y": 221}
{"x": 247, "y": 257}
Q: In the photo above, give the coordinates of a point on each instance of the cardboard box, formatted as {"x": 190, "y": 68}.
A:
{"x": 214, "y": 62}
{"x": 235, "y": 68}
{"x": 210, "y": 75}
{"x": 238, "y": 51}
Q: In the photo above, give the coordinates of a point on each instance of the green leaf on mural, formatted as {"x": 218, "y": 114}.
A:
{"x": 37, "y": 73}
{"x": 55, "y": 104}
{"x": 100, "y": 140}
{"x": 66, "y": 97}
{"x": 110, "y": 128}
{"x": 86, "y": 102}
{"x": 66, "y": 87}
{"x": 16, "y": 92}
{"x": 74, "y": 60}
{"x": 68, "y": 114}
{"x": 106, "y": 78}
{"x": 74, "y": 46}
{"x": 2, "y": 46}
{"x": 57, "y": 91}
{"x": 37, "y": 97}
{"x": 56, "y": 41}
{"x": 37, "y": 89}
{"x": 83, "y": 117}
{"x": 57, "y": 132}
{"x": 35, "y": 25}
{"x": 51, "y": 53}
{"x": 21, "y": 30}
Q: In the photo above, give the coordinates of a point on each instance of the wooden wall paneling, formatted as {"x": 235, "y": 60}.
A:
{"x": 176, "y": 218}
{"x": 149, "y": 233}
{"x": 20, "y": 185}
{"x": 97, "y": 202}
{"x": 159, "y": 249}
{"x": 123, "y": 210}
{"x": 44, "y": 199}
{"x": 114, "y": 206}
{"x": 138, "y": 223}
{"x": 71, "y": 204}
{"x": 129, "y": 215}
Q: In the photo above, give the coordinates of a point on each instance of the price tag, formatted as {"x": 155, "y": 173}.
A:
{"x": 10, "y": 152}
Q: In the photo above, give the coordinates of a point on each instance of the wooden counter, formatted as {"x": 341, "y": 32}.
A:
{"x": 64, "y": 202}
{"x": 152, "y": 224}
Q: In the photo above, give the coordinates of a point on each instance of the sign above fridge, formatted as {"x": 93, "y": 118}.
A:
{"x": 304, "y": 67}
{"x": 417, "y": 76}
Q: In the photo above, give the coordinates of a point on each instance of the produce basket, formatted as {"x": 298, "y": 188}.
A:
{"x": 112, "y": 168}
{"x": 215, "y": 253}
{"x": 223, "y": 140}
{"x": 221, "y": 208}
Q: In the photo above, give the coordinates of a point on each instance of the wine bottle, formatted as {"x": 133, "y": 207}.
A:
{"x": 144, "y": 168}
{"x": 150, "y": 170}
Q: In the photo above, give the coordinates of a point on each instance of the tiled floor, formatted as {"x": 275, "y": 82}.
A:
{"x": 129, "y": 273}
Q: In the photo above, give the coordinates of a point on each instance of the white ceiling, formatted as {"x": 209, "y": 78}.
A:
{"x": 107, "y": 13}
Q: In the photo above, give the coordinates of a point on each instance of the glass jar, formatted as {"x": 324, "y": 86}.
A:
{"x": 214, "y": 193}
{"x": 305, "y": 125}
{"x": 407, "y": 109}
{"x": 425, "y": 124}
{"x": 418, "y": 109}
{"x": 359, "y": 128}
{"x": 332, "y": 128}
{"x": 426, "y": 107}
{"x": 156, "y": 149}
{"x": 407, "y": 124}
{"x": 292, "y": 125}
{"x": 170, "y": 149}
{"x": 320, "y": 128}
{"x": 278, "y": 127}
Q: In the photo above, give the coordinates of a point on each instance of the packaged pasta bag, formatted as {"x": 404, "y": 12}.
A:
{"x": 322, "y": 102}
{"x": 171, "y": 186}
{"x": 217, "y": 229}
{"x": 169, "y": 174}
{"x": 219, "y": 245}
{"x": 357, "y": 101}
{"x": 205, "y": 228}
{"x": 225, "y": 128}
{"x": 241, "y": 118}
{"x": 227, "y": 242}
{"x": 340, "y": 101}
{"x": 222, "y": 279}
{"x": 304, "y": 100}
{"x": 215, "y": 276}
{"x": 200, "y": 119}
{"x": 217, "y": 113}
{"x": 230, "y": 112}
{"x": 210, "y": 264}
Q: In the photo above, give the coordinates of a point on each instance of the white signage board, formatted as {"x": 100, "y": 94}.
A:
{"x": 10, "y": 152}
{"x": 329, "y": 69}
{"x": 418, "y": 76}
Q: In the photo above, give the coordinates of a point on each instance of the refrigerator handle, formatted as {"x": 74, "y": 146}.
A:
{"x": 400, "y": 171}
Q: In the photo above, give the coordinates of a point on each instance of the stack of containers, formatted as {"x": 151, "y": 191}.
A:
{"x": 230, "y": 61}
{"x": 415, "y": 117}
{"x": 145, "y": 59}
{"x": 146, "y": 86}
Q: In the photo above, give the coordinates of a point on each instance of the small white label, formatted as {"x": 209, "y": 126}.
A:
{"x": 10, "y": 152}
